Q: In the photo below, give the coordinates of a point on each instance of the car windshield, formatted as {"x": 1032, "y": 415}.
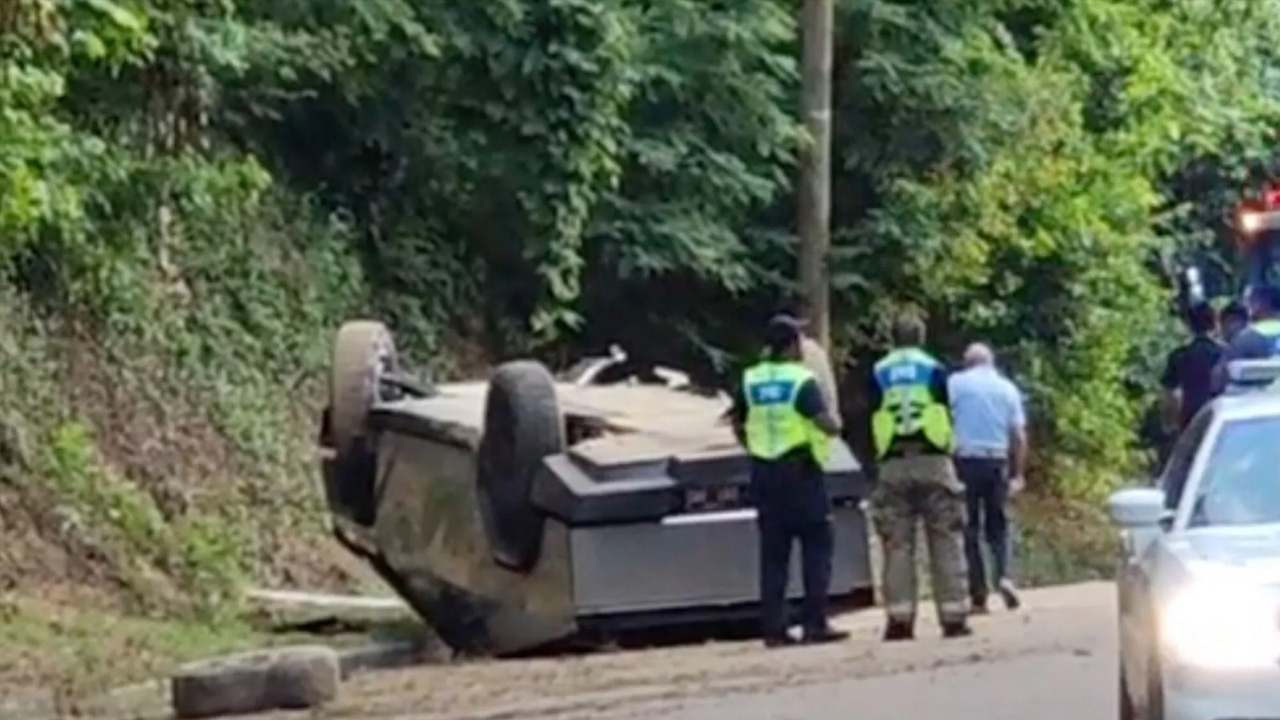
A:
{"x": 1241, "y": 483}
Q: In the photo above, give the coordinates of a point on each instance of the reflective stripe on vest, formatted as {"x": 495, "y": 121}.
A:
{"x": 908, "y": 406}
{"x": 774, "y": 426}
{"x": 1270, "y": 330}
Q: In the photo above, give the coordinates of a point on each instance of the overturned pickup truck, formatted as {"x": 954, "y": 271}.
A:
{"x": 529, "y": 509}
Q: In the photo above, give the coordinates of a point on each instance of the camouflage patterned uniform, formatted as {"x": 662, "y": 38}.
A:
{"x": 921, "y": 487}
{"x": 912, "y": 438}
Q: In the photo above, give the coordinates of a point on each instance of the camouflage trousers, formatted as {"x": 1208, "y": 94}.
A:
{"x": 910, "y": 489}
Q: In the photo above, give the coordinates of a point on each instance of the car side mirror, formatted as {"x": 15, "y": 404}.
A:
{"x": 1137, "y": 508}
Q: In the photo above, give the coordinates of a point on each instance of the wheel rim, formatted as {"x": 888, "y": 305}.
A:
{"x": 382, "y": 363}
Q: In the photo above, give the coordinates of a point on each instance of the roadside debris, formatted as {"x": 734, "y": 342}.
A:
{"x": 296, "y": 678}
{"x": 292, "y": 610}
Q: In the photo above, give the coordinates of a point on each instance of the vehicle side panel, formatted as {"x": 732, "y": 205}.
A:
{"x": 701, "y": 559}
{"x": 1137, "y": 615}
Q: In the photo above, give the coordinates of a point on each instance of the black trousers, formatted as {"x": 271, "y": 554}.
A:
{"x": 986, "y": 483}
{"x": 792, "y": 506}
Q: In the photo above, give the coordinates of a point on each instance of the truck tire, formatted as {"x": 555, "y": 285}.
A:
{"x": 285, "y": 679}
{"x": 362, "y": 351}
{"x": 522, "y": 425}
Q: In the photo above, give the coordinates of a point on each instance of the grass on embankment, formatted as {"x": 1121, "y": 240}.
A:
{"x": 76, "y": 652}
{"x": 1059, "y": 541}
{"x": 149, "y": 471}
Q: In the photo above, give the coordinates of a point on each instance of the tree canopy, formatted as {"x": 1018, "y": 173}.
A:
{"x": 202, "y": 189}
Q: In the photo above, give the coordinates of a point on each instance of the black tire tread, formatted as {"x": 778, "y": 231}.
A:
{"x": 526, "y": 389}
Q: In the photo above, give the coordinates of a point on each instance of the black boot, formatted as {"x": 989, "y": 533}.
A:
{"x": 772, "y": 641}
{"x": 824, "y": 636}
{"x": 898, "y": 630}
{"x": 956, "y": 629}
{"x": 978, "y": 606}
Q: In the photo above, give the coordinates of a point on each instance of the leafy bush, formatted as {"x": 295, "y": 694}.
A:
{"x": 193, "y": 195}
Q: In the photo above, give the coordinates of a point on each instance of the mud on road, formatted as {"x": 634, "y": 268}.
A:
{"x": 1073, "y": 621}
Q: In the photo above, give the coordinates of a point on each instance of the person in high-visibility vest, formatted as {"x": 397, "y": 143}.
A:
{"x": 1261, "y": 337}
{"x": 912, "y": 440}
{"x": 1259, "y": 340}
{"x": 781, "y": 418}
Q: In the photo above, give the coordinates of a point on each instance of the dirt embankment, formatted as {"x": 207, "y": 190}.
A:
{"x": 132, "y": 506}
{"x": 162, "y": 454}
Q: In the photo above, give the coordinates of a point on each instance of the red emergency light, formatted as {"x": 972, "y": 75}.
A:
{"x": 1271, "y": 198}
{"x": 1252, "y": 215}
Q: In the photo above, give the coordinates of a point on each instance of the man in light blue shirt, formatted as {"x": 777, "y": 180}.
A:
{"x": 990, "y": 454}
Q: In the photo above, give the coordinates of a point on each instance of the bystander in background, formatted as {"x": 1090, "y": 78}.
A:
{"x": 990, "y": 456}
{"x": 1188, "y": 371}
{"x": 1233, "y": 318}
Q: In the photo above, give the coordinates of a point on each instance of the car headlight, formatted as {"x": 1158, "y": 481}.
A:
{"x": 1224, "y": 626}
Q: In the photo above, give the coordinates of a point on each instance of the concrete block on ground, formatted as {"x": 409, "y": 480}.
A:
{"x": 292, "y": 678}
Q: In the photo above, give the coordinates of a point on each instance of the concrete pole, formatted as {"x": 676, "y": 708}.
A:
{"x": 814, "y": 222}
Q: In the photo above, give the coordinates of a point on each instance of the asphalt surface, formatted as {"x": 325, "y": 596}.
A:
{"x": 1052, "y": 660}
{"x": 1051, "y": 687}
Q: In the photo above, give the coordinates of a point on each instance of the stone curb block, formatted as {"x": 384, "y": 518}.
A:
{"x": 294, "y": 678}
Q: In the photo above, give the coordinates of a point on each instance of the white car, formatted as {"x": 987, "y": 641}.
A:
{"x": 1199, "y": 575}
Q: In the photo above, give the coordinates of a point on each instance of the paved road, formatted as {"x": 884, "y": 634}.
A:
{"x": 1055, "y": 660}
{"x": 1049, "y": 687}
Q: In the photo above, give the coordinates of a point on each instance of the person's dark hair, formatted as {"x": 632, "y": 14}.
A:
{"x": 782, "y": 334}
{"x": 1201, "y": 318}
{"x": 908, "y": 330}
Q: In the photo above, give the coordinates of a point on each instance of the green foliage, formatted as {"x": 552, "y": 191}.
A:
{"x": 1014, "y": 148}
{"x": 193, "y": 195}
{"x": 205, "y": 556}
{"x": 177, "y": 296}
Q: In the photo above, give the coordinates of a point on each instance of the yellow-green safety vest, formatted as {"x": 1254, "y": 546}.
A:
{"x": 774, "y": 426}
{"x": 908, "y": 407}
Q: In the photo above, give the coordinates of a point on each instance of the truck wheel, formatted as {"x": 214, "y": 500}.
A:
{"x": 522, "y": 425}
{"x": 362, "y": 352}
{"x": 285, "y": 679}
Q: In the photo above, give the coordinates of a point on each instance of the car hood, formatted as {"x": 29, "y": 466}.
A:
{"x": 1249, "y": 553}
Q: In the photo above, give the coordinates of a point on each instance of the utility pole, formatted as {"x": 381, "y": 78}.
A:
{"x": 814, "y": 222}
